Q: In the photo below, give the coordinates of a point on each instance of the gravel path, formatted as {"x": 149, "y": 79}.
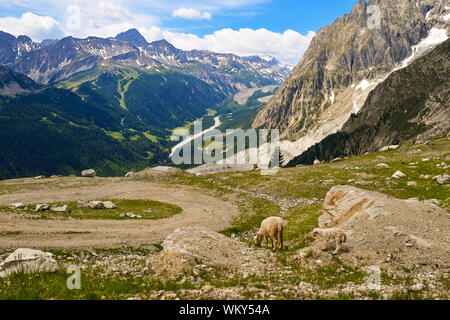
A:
{"x": 199, "y": 210}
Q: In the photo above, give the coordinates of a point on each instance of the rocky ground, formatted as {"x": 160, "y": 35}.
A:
{"x": 397, "y": 229}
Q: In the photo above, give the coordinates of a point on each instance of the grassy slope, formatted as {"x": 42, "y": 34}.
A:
{"x": 310, "y": 181}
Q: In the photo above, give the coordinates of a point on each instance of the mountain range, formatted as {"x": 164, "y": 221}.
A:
{"x": 54, "y": 61}
{"x": 412, "y": 104}
{"x": 111, "y": 103}
{"x": 120, "y": 96}
{"x": 345, "y": 62}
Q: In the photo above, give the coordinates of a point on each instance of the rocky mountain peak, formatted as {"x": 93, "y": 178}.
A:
{"x": 163, "y": 43}
{"x": 24, "y": 39}
{"x": 132, "y": 36}
{"x": 6, "y": 37}
{"x": 344, "y": 62}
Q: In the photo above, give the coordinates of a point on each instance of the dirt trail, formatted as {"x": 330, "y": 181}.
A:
{"x": 199, "y": 210}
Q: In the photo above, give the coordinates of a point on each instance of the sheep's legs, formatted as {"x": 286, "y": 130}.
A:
{"x": 325, "y": 245}
{"x": 274, "y": 243}
{"x": 281, "y": 240}
{"x": 267, "y": 242}
{"x": 338, "y": 246}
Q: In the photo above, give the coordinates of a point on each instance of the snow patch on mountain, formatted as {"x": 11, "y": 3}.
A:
{"x": 436, "y": 36}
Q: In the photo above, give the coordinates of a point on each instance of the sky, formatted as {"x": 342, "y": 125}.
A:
{"x": 279, "y": 28}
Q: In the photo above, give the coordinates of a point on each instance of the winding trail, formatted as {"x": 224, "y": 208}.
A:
{"x": 198, "y": 210}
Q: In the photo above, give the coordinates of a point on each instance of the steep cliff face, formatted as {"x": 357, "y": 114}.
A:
{"x": 13, "y": 84}
{"x": 411, "y": 104}
{"x": 344, "y": 62}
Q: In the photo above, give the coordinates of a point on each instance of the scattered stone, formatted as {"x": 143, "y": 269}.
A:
{"x": 89, "y": 173}
{"x": 364, "y": 183}
{"x": 316, "y": 162}
{"x": 130, "y": 215}
{"x": 442, "y": 179}
{"x": 382, "y": 165}
{"x": 442, "y": 165}
{"x": 426, "y": 160}
{"x": 207, "y": 289}
{"x": 39, "y": 177}
{"x": 42, "y": 207}
{"x": 64, "y": 208}
{"x": 28, "y": 261}
{"x": 398, "y": 175}
{"x": 388, "y": 148}
{"x": 109, "y": 205}
{"x": 129, "y": 174}
{"x": 18, "y": 205}
{"x": 412, "y": 184}
{"x": 426, "y": 176}
{"x": 82, "y": 204}
{"x": 336, "y": 160}
{"x": 417, "y": 287}
{"x": 96, "y": 205}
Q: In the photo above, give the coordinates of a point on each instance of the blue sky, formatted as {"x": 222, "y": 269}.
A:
{"x": 277, "y": 15}
{"x": 280, "y": 28}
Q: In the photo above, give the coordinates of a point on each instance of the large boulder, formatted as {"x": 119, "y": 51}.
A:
{"x": 65, "y": 208}
{"x": 42, "y": 207}
{"x": 96, "y": 205}
{"x": 378, "y": 225}
{"x": 189, "y": 249}
{"x": 18, "y": 205}
{"x": 398, "y": 175}
{"x": 109, "y": 205}
{"x": 89, "y": 173}
{"x": 389, "y": 148}
{"x": 28, "y": 261}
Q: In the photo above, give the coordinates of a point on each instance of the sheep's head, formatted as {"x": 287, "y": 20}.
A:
{"x": 258, "y": 238}
{"x": 315, "y": 233}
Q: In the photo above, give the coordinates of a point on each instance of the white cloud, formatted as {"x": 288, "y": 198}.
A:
{"x": 191, "y": 14}
{"x": 288, "y": 47}
{"x": 108, "y": 18}
{"x": 34, "y": 26}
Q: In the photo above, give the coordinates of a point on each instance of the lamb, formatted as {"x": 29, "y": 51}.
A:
{"x": 331, "y": 234}
{"x": 272, "y": 228}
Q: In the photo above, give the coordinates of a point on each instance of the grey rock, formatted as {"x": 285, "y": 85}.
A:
{"x": 64, "y": 208}
{"x": 42, "y": 207}
{"x": 28, "y": 261}
{"x": 18, "y": 205}
{"x": 96, "y": 205}
{"x": 89, "y": 173}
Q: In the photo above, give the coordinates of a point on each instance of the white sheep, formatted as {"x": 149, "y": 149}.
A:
{"x": 271, "y": 228}
{"x": 328, "y": 235}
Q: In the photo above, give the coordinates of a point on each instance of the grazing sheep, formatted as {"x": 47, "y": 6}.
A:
{"x": 271, "y": 228}
{"x": 331, "y": 234}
